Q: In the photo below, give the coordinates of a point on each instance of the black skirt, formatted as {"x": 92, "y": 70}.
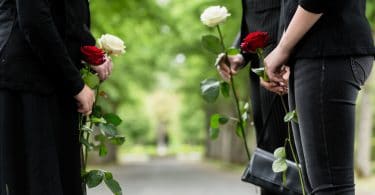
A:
{"x": 39, "y": 145}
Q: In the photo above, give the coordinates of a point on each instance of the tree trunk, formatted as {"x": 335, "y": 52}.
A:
{"x": 363, "y": 159}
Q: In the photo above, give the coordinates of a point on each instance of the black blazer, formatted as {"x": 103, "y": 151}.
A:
{"x": 260, "y": 15}
{"x": 342, "y": 30}
{"x": 39, "y": 44}
{"x": 263, "y": 15}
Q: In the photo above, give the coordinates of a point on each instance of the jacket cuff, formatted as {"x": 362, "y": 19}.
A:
{"x": 314, "y": 6}
{"x": 76, "y": 87}
{"x": 248, "y": 57}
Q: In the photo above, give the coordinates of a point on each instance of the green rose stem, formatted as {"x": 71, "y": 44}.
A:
{"x": 87, "y": 138}
{"x": 233, "y": 86}
{"x": 85, "y": 135}
{"x": 289, "y": 140}
{"x": 81, "y": 136}
{"x": 259, "y": 51}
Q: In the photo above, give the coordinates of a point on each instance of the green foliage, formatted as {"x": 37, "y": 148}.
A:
{"x": 138, "y": 127}
{"x": 212, "y": 44}
{"x": 164, "y": 53}
{"x": 291, "y": 116}
{"x": 92, "y": 80}
{"x": 279, "y": 165}
{"x": 233, "y": 51}
{"x": 113, "y": 119}
{"x": 225, "y": 89}
{"x": 261, "y": 73}
{"x": 370, "y": 12}
{"x": 210, "y": 89}
{"x": 95, "y": 177}
{"x": 216, "y": 121}
{"x": 280, "y": 153}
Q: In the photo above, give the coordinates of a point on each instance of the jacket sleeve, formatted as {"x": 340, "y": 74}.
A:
{"x": 87, "y": 37}
{"x": 315, "y": 6}
{"x": 36, "y": 22}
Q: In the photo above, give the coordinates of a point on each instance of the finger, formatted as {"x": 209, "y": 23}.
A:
{"x": 273, "y": 87}
{"x": 225, "y": 76}
{"x": 275, "y": 77}
{"x": 80, "y": 111}
{"x": 106, "y": 75}
{"x": 235, "y": 68}
{"x": 220, "y": 59}
{"x": 88, "y": 109}
{"x": 224, "y": 67}
{"x": 88, "y": 113}
{"x": 279, "y": 90}
{"x": 79, "y": 107}
{"x": 102, "y": 75}
{"x": 110, "y": 67}
{"x": 223, "y": 73}
{"x": 267, "y": 84}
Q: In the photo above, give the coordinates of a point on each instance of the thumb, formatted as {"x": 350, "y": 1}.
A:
{"x": 235, "y": 68}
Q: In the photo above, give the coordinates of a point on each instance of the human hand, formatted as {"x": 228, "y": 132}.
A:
{"x": 278, "y": 87}
{"x": 85, "y": 100}
{"x": 274, "y": 65}
{"x": 236, "y": 63}
{"x": 104, "y": 70}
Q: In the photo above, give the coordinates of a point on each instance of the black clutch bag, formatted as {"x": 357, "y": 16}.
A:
{"x": 259, "y": 172}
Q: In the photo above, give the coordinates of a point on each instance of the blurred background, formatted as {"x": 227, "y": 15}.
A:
{"x": 155, "y": 89}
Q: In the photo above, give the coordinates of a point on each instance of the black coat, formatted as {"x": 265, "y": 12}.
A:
{"x": 260, "y": 15}
{"x": 271, "y": 131}
{"x": 39, "y": 44}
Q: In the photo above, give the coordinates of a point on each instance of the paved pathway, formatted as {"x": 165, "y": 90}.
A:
{"x": 173, "y": 177}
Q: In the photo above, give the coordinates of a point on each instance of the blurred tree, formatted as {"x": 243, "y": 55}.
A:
{"x": 366, "y": 114}
{"x": 363, "y": 159}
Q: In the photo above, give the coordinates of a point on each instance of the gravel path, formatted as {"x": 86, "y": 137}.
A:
{"x": 173, "y": 177}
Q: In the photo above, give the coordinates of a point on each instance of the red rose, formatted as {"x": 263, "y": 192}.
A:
{"x": 93, "y": 55}
{"x": 254, "y": 41}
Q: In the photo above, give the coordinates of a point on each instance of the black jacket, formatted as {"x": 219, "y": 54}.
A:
{"x": 267, "y": 108}
{"x": 39, "y": 44}
{"x": 260, "y": 15}
{"x": 342, "y": 30}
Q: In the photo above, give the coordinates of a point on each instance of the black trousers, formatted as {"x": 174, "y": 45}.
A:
{"x": 39, "y": 148}
{"x": 271, "y": 130}
{"x": 324, "y": 93}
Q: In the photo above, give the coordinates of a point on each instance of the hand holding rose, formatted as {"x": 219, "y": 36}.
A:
{"x": 226, "y": 70}
{"x": 275, "y": 87}
{"x": 104, "y": 70}
{"x": 85, "y": 100}
{"x": 275, "y": 76}
{"x": 274, "y": 63}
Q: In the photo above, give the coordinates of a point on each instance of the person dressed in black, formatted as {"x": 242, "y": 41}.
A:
{"x": 41, "y": 91}
{"x": 330, "y": 49}
{"x": 271, "y": 130}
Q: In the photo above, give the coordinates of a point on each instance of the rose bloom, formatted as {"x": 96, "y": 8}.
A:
{"x": 93, "y": 55}
{"x": 111, "y": 44}
{"x": 214, "y": 15}
{"x": 254, "y": 41}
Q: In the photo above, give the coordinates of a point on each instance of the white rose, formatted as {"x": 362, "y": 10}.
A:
{"x": 214, "y": 15}
{"x": 111, "y": 44}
